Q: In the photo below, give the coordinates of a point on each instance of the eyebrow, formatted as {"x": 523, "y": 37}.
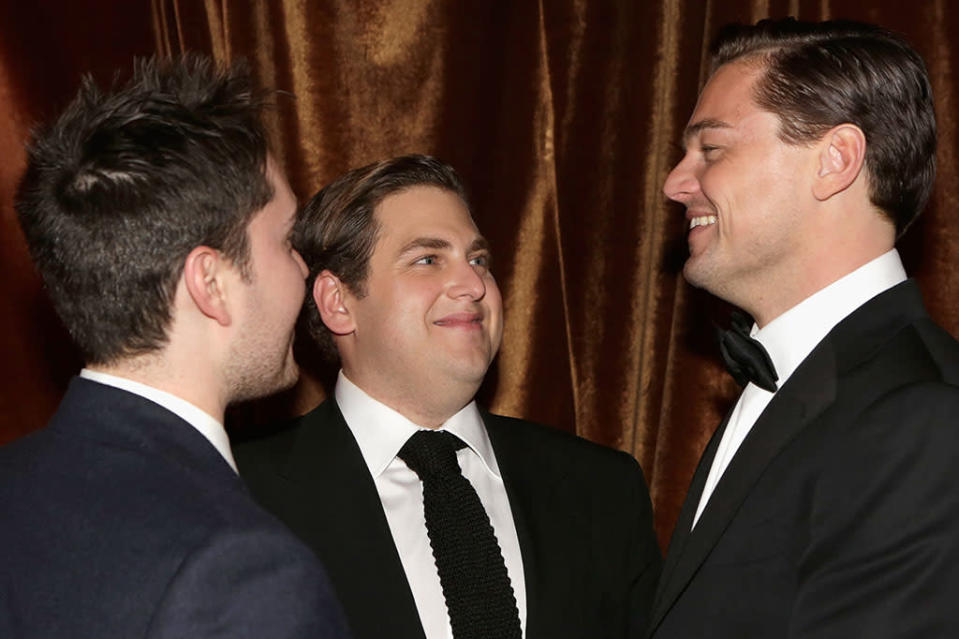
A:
{"x": 437, "y": 244}
{"x": 696, "y": 128}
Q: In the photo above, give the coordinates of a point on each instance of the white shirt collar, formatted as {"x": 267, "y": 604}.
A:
{"x": 791, "y": 337}
{"x": 381, "y": 432}
{"x": 208, "y": 426}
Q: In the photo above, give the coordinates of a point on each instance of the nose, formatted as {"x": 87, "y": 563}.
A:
{"x": 467, "y": 281}
{"x": 681, "y": 183}
{"x": 300, "y": 263}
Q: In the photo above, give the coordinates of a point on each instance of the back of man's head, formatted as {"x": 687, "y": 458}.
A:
{"x": 822, "y": 74}
{"x": 337, "y": 229}
{"x": 125, "y": 183}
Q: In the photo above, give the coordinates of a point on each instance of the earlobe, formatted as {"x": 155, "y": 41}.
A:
{"x": 331, "y": 298}
{"x": 841, "y": 159}
{"x": 202, "y": 275}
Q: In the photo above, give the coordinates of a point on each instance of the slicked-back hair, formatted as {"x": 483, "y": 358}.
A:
{"x": 126, "y": 182}
{"x": 337, "y": 230}
{"x": 820, "y": 75}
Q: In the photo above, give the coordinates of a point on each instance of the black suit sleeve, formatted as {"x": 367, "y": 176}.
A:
{"x": 882, "y": 560}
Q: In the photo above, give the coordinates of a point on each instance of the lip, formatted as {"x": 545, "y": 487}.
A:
{"x": 467, "y": 320}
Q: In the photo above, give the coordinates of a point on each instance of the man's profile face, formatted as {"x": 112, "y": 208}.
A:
{"x": 432, "y": 315}
{"x": 262, "y": 360}
{"x": 743, "y": 189}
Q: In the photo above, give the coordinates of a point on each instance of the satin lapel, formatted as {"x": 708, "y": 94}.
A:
{"x": 349, "y": 521}
{"x": 530, "y": 487}
{"x": 807, "y": 392}
{"x": 810, "y": 389}
{"x": 677, "y": 543}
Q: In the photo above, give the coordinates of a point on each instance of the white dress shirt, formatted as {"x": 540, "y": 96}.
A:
{"x": 381, "y": 432}
{"x": 209, "y": 427}
{"x": 789, "y": 339}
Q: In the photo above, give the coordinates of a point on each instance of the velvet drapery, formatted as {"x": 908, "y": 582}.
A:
{"x": 563, "y": 117}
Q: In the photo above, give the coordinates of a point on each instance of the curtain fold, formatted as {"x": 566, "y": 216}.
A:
{"x": 562, "y": 116}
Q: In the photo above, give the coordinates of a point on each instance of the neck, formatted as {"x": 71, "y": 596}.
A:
{"x": 838, "y": 238}
{"x": 427, "y": 412}
{"x": 772, "y": 301}
{"x": 426, "y": 405}
{"x": 155, "y": 369}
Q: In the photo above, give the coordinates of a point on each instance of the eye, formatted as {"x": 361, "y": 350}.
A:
{"x": 481, "y": 261}
{"x": 426, "y": 259}
{"x": 709, "y": 151}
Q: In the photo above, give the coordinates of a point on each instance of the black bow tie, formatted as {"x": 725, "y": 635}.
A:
{"x": 746, "y": 359}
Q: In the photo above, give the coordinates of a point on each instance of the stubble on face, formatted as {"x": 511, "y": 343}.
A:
{"x": 742, "y": 188}
{"x": 259, "y": 366}
{"x": 261, "y": 357}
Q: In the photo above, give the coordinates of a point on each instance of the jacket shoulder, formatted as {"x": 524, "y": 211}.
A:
{"x": 548, "y": 441}
{"x": 270, "y": 444}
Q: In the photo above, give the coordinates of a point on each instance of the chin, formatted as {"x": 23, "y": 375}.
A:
{"x": 469, "y": 373}
{"x": 258, "y": 384}
{"x": 690, "y": 275}
{"x": 289, "y": 379}
{"x": 698, "y": 274}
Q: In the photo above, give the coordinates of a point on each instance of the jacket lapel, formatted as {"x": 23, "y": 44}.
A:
{"x": 348, "y": 523}
{"x": 807, "y": 393}
{"x": 681, "y": 532}
{"x": 531, "y": 482}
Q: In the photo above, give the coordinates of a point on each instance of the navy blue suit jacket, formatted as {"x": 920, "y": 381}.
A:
{"x": 121, "y": 520}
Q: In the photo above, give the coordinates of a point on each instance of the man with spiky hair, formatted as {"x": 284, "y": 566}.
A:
{"x": 160, "y": 224}
{"x": 826, "y": 503}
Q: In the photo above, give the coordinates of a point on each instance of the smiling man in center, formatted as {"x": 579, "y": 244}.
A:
{"x": 434, "y": 517}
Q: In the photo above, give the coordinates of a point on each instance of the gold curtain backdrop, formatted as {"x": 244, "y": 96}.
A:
{"x": 562, "y": 116}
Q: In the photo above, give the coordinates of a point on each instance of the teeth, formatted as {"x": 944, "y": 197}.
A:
{"x": 703, "y": 220}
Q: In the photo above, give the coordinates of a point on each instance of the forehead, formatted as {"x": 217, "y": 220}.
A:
{"x": 727, "y": 99}
{"x": 281, "y": 209}
{"x": 276, "y": 176}
{"x": 423, "y": 212}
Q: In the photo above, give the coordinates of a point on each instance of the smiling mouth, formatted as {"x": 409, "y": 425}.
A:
{"x": 701, "y": 220}
{"x": 461, "y": 320}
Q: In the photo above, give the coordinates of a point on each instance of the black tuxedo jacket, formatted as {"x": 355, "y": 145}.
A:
{"x": 582, "y": 515}
{"x": 839, "y": 514}
{"x": 119, "y": 519}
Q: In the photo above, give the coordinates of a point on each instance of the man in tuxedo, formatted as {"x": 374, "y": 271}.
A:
{"x": 160, "y": 224}
{"x": 402, "y": 292}
{"x": 826, "y": 503}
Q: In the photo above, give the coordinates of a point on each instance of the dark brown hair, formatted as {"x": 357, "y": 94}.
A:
{"x": 820, "y": 75}
{"x": 337, "y": 229}
{"x": 125, "y": 183}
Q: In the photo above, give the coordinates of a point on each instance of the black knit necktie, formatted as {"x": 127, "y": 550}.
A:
{"x": 745, "y": 358}
{"x": 476, "y": 586}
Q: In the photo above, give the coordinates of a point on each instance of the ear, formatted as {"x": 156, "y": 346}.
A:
{"x": 203, "y": 274}
{"x": 841, "y": 158}
{"x": 331, "y": 297}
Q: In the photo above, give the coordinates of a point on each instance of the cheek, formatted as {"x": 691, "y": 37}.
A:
{"x": 719, "y": 185}
{"x": 289, "y": 279}
{"x": 393, "y": 314}
{"x": 494, "y": 298}
{"x": 494, "y": 301}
